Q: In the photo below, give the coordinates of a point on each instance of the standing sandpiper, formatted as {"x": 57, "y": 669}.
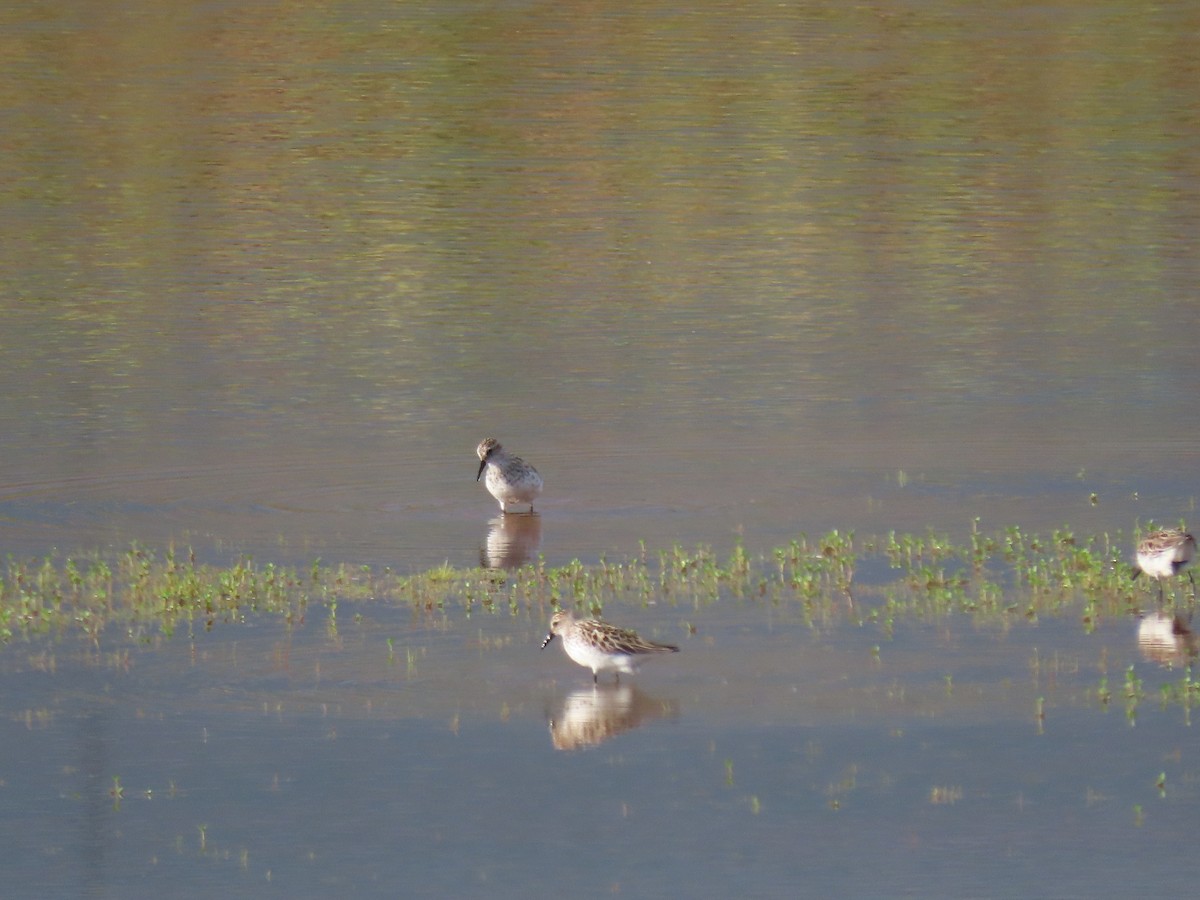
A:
{"x": 602, "y": 647}
{"x": 1164, "y": 554}
{"x": 509, "y": 478}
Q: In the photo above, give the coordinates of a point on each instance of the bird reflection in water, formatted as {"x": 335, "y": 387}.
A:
{"x": 1166, "y": 638}
{"x": 511, "y": 541}
{"x": 592, "y": 715}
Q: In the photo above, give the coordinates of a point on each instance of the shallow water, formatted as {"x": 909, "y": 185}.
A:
{"x": 742, "y": 268}
{"x": 767, "y": 758}
{"x": 726, "y": 272}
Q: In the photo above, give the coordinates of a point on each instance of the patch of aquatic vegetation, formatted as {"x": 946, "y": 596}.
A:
{"x": 996, "y": 577}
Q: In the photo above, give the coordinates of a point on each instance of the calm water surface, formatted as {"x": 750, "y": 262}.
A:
{"x": 734, "y": 270}
{"x": 271, "y": 273}
{"x": 767, "y": 759}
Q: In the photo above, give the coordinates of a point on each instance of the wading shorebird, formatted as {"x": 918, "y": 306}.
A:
{"x": 1164, "y": 554}
{"x": 509, "y": 478}
{"x": 602, "y": 647}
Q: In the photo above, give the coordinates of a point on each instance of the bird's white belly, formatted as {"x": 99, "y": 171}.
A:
{"x": 513, "y": 490}
{"x": 597, "y": 660}
{"x": 1161, "y": 565}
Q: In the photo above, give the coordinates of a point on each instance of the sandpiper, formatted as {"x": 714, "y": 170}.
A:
{"x": 602, "y": 647}
{"x": 509, "y": 478}
{"x": 1164, "y": 554}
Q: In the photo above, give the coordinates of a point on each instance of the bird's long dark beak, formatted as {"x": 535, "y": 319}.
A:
{"x": 482, "y": 463}
{"x": 546, "y": 642}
